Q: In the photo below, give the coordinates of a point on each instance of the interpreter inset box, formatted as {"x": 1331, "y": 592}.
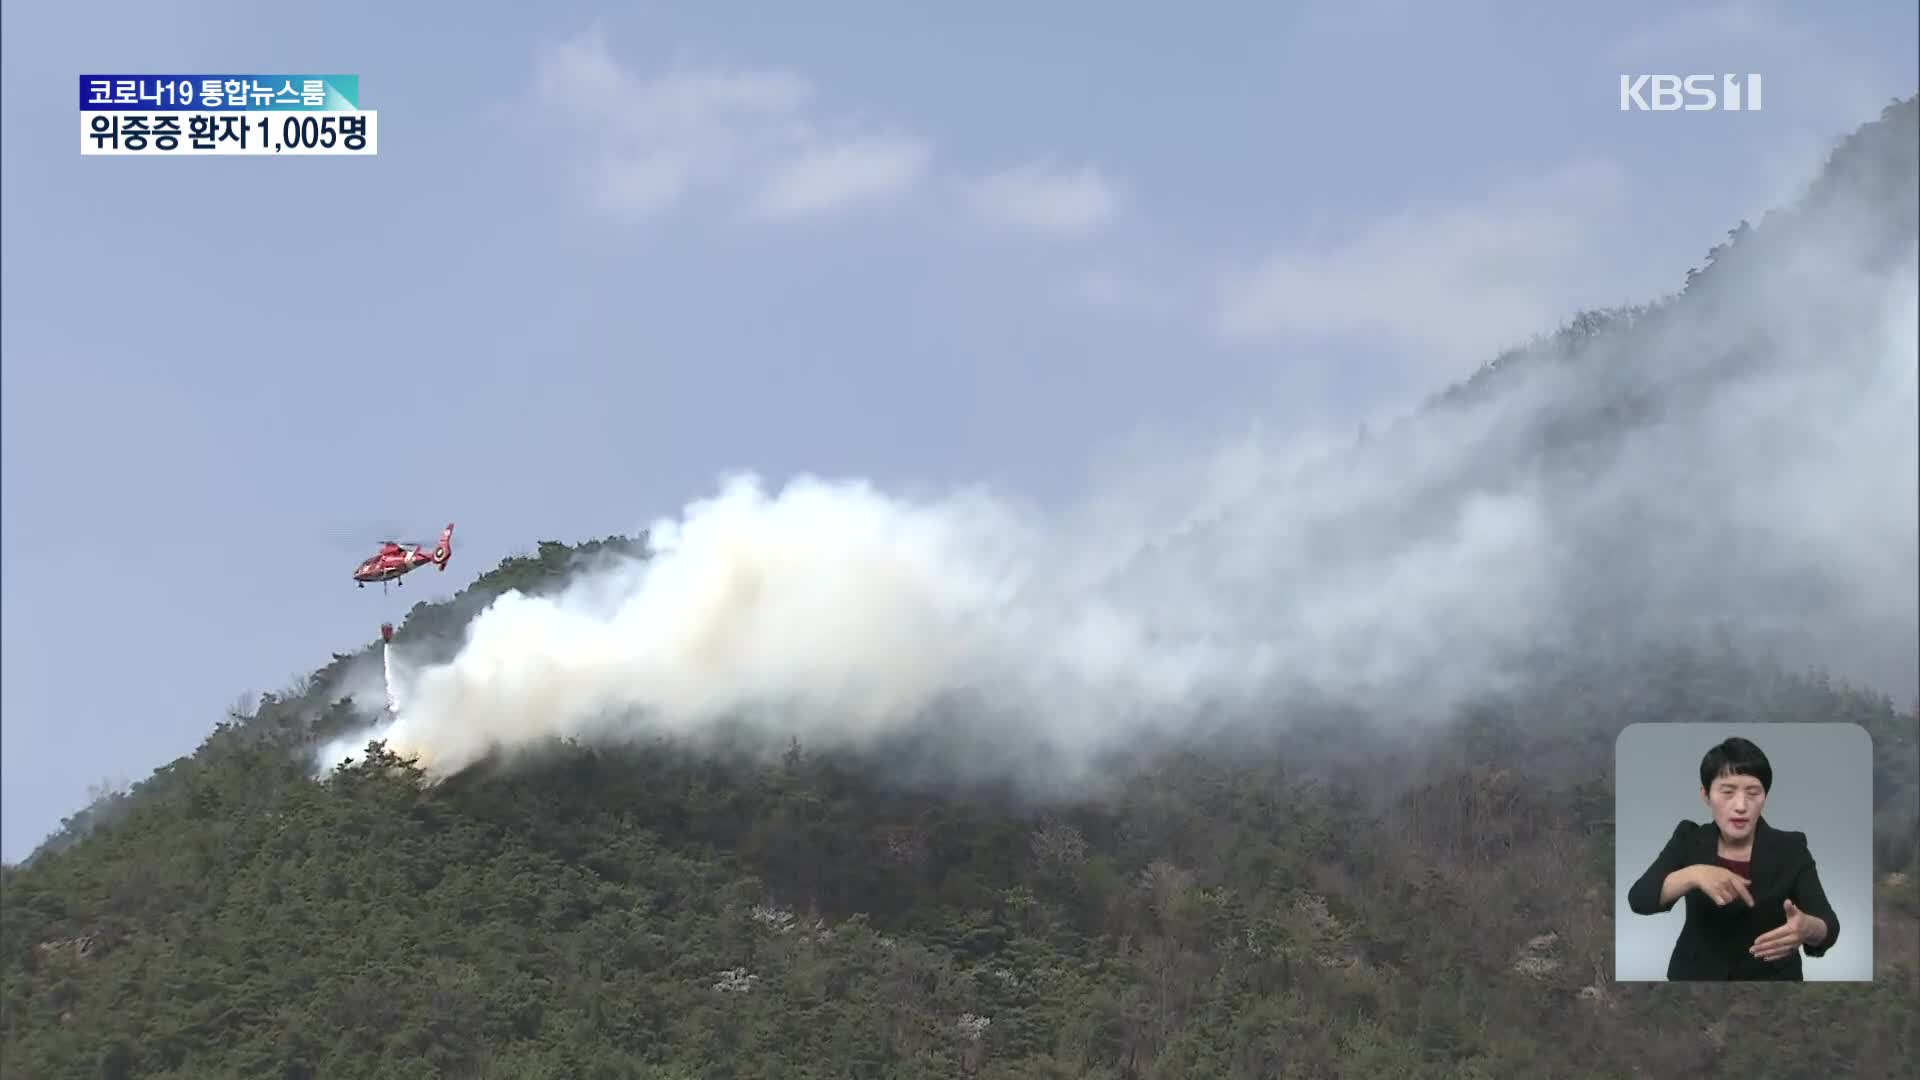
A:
{"x": 1743, "y": 852}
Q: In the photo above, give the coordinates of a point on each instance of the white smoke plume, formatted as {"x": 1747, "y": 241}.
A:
{"x": 828, "y": 608}
{"x": 1745, "y": 457}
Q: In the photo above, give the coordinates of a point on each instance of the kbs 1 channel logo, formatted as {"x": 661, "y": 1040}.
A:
{"x": 226, "y": 114}
{"x": 1689, "y": 93}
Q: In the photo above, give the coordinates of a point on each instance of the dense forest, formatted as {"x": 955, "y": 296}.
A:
{"x": 1318, "y": 898}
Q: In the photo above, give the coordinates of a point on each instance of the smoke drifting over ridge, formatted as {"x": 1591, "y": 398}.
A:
{"x": 1744, "y": 456}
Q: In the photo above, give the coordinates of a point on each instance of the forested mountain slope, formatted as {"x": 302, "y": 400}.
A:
{"x": 1308, "y": 892}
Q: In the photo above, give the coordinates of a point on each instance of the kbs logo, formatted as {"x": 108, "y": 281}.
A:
{"x": 1693, "y": 93}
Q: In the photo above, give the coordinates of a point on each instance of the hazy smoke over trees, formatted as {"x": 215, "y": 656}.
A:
{"x": 1739, "y": 458}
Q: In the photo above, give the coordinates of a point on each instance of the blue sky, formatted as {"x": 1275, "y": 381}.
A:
{"x": 607, "y": 253}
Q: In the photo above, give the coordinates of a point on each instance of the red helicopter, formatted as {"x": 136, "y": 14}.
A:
{"x": 394, "y": 560}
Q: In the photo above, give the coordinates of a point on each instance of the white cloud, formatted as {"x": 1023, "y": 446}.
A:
{"x": 1040, "y": 196}
{"x": 702, "y": 127}
{"x": 1460, "y": 282}
{"x": 654, "y": 141}
{"x": 834, "y": 176}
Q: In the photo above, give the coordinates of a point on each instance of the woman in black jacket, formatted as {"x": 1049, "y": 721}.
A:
{"x": 1754, "y": 901}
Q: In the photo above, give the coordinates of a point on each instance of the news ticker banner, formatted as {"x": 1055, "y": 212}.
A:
{"x": 226, "y": 114}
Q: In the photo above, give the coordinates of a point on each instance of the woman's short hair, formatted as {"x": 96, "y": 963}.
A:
{"x": 1736, "y": 757}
